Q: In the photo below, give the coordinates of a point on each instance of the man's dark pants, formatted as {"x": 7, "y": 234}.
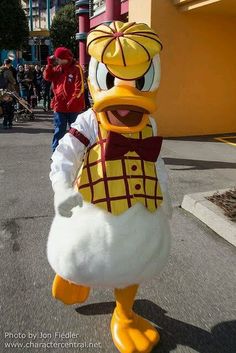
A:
{"x": 61, "y": 120}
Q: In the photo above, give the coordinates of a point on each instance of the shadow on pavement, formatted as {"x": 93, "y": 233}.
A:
{"x": 201, "y": 138}
{"x": 221, "y": 339}
{"x": 198, "y": 164}
{"x": 39, "y": 119}
{"x": 26, "y": 130}
{"x": 42, "y": 112}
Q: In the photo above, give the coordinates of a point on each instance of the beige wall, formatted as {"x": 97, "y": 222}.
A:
{"x": 198, "y": 88}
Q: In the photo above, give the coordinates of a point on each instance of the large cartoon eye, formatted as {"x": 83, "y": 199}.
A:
{"x": 151, "y": 80}
{"x": 105, "y": 80}
{"x": 99, "y": 76}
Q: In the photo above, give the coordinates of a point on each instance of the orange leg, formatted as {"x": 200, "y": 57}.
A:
{"x": 69, "y": 293}
{"x": 130, "y": 332}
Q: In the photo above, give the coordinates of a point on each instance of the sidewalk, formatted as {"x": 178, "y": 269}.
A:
{"x": 198, "y": 164}
{"x": 193, "y": 302}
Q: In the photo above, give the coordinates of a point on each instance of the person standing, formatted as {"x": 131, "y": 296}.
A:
{"x": 68, "y": 88}
{"x": 7, "y": 105}
{"x": 38, "y": 77}
{"x": 28, "y": 81}
{"x": 46, "y": 92}
{"x": 23, "y": 87}
{"x": 6, "y": 74}
{"x": 13, "y": 70}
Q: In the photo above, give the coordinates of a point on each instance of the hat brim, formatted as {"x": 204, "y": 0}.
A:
{"x": 131, "y": 72}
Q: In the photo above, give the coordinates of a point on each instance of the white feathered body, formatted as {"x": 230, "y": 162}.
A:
{"x": 98, "y": 249}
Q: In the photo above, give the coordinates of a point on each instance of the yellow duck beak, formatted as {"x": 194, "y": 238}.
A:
{"x": 123, "y": 109}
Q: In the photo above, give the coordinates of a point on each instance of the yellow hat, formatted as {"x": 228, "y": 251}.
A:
{"x": 125, "y": 48}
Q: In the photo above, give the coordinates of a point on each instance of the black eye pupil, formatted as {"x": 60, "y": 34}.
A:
{"x": 140, "y": 83}
{"x": 110, "y": 80}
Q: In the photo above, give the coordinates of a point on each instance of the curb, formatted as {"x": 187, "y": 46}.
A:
{"x": 210, "y": 214}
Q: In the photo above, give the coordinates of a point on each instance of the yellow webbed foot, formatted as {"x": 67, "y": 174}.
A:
{"x": 69, "y": 293}
{"x": 133, "y": 335}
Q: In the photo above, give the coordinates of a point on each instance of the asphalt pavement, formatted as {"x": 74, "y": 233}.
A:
{"x": 193, "y": 302}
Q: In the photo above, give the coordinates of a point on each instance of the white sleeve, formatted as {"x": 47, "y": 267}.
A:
{"x": 69, "y": 154}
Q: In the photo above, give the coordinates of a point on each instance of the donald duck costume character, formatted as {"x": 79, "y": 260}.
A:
{"x": 111, "y": 200}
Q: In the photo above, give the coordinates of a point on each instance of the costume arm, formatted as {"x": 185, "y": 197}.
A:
{"x": 68, "y": 156}
{"x": 66, "y": 161}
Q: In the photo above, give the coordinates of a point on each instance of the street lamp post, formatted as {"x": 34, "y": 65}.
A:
{"x": 39, "y": 12}
{"x": 31, "y": 27}
{"x": 40, "y": 42}
{"x": 48, "y": 14}
{"x": 82, "y": 11}
{"x": 49, "y": 22}
{"x": 31, "y": 14}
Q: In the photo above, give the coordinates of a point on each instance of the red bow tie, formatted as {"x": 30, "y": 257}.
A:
{"x": 117, "y": 146}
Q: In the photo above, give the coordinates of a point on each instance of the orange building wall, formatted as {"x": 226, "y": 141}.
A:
{"x": 197, "y": 94}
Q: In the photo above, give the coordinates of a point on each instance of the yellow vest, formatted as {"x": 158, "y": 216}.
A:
{"x": 117, "y": 185}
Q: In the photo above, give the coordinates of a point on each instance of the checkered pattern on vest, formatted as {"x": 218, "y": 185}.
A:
{"x": 117, "y": 185}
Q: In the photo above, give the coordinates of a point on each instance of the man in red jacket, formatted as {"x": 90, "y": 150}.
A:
{"x": 68, "y": 88}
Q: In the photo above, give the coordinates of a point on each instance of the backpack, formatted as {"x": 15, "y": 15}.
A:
{"x": 3, "y": 80}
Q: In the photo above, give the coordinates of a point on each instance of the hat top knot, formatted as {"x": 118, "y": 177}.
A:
{"x": 118, "y": 34}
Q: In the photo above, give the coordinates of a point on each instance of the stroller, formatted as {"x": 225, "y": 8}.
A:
{"x": 24, "y": 112}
